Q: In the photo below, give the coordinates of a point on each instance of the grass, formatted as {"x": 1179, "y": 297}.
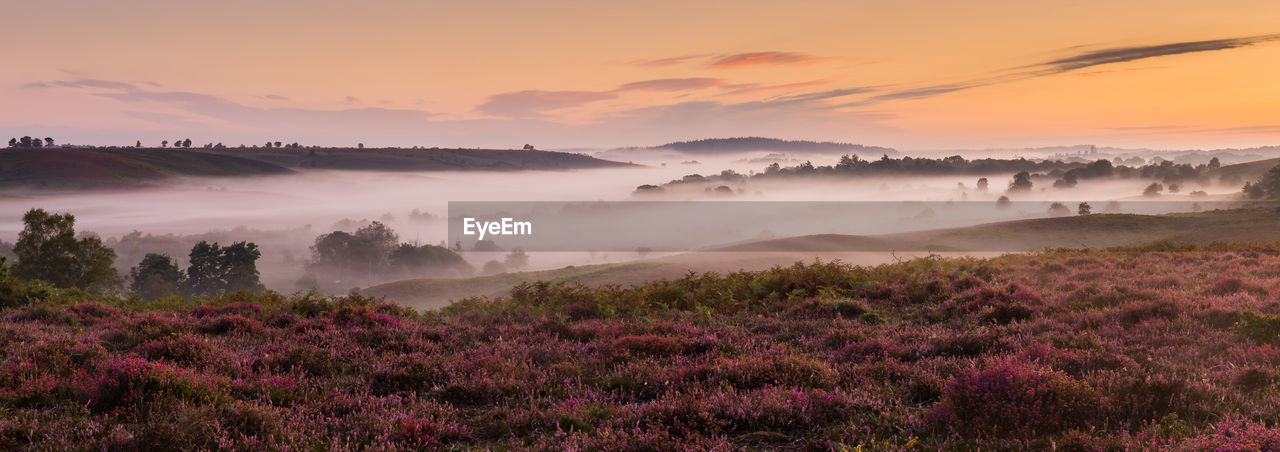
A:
{"x": 1162, "y": 346}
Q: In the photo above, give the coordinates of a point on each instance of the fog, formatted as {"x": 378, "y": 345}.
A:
{"x": 284, "y": 214}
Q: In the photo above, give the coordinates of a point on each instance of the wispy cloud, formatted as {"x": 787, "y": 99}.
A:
{"x": 664, "y": 62}
{"x": 534, "y": 103}
{"x": 756, "y": 58}
{"x": 672, "y": 84}
{"x": 1126, "y": 54}
{"x": 1072, "y": 63}
{"x": 274, "y": 97}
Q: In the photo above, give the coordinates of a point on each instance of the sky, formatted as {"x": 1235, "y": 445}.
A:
{"x": 1169, "y": 74}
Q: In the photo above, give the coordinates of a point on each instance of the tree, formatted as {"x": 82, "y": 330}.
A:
{"x": 368, "y": 250}
{"x": 48, "y": 142}
{"x": 164, "y": 143}
{"x": 1174, "y": 188}
{"x": 360, "y": 145}
{"x": 36, "y": 143}
{"x": 186, "y": 143}
{"x": 982, "y": 184}
{"x": 1058, "y": 209}
{"x": 47, "y": 250}
{"x": 13, "y": 142}
{"x": 1153, "y": 190}
{"x": 156, "y": 276}
{"x": 517, "y": 260}
{"x": 1068, "y": 180}
{"x": 1021, "y": 182}
{"x": 216, "y": 269}
{"x": 528, "y": 147}
{"x": 24, "y": 142}
{"x": 417, "y": 258}
{"x": 1214, "y": 163}
{"x": 1084, "y": 209}
{"x": 1003, "y": 202}
{"x": 277, "y": 144}
{"x": 138, "y": 144}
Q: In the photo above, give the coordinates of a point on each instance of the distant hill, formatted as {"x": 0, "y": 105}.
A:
{"x": 433, "y": 159}
{"x": 1094, "y": 231}
{"x": 1250, "y": 171}
{"x": 750, "y": 144}
{"x": 70, "y": 169}
{"x": 77, "y": 169}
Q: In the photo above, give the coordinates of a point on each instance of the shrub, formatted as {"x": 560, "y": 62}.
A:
{"x": 1010, "y": 399}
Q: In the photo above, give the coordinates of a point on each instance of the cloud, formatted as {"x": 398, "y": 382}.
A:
{"x": 229, "y": 112}
{"x": 533, "y": 103}
{"x": 672, "y": 84}
{"x": 1126, "y": 54}
{"x": 35, "y": 85}
{"x": 663, "y": 62}
{"x": 755, "y": 58}
{"x": 1072, "y": 63}
{"x": 349, "y": 100}
{"x": 91, "y": 83}
{"x": 274, "y": 97}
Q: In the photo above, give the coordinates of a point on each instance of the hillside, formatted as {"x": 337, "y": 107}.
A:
{"x": 1249, "y": 171}
{"x": 434, "y": 159}
{"x": 1168, "y": 347}
{"x": 1093, "y": 231}
{"x": 750, "y": 144}
{"x": 69, "y": 169}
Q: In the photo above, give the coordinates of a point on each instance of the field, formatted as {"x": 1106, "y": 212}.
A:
{"x": 1158, "y": 347}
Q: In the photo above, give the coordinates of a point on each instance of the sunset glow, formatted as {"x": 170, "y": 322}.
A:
{"x": 560, "y": 74}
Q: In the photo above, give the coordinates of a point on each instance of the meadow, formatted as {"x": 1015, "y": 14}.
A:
{"x": 1164, "y": 346}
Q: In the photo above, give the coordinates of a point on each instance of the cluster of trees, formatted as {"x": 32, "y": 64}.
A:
{"x": 28, "y": 142}
{"x": 277, "y": 144}
{"x": 48, "y": 250}
{"x": 176, "y": 143}
{"x": 1266, "y": 187}
{"x": 375, "y": 249}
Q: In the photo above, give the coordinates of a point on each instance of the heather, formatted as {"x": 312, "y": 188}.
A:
{"x": 1157, "y": 347}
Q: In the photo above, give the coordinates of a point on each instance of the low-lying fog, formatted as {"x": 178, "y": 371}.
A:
{"x": 284, "y": 214}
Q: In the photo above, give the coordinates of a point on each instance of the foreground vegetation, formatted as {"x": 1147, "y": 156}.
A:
{"x": 1159, "y": 347}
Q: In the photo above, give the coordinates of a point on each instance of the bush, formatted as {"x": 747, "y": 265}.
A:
{"x": 1010, "y": 399}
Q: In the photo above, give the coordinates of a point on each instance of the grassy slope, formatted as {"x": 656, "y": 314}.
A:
{"x": 1099, "y": 230}
{"x": 58, "y": 168}
{"x": 1248, "y": 171}
{"x": 1095, "y": 231}
{"x": 423, "y": 159}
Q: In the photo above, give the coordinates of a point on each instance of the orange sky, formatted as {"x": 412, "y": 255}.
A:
{"x": 911, "y": 74}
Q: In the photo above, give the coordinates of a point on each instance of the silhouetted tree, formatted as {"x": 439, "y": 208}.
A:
{"x": 277, "y": 144}
{"x": 186, "y": 143}
{"x": 1021, "y": 182}
{"x": 217, "y": 269}
{"x": 1058, "y": 209}
{"x": 528, "y": 147}
{"x": 48, "y": 250}
{"x": 360, "y": 145}
{"x": 1153, "y": 190}
{"x": 156, "y": 276}
{"x": 1084, "y": 209}
{"x": 138, "y": 144}
{"x": 48, "y": 142}
{"x": 24, "y": 142}
{"x": 517, "y": 260}
{"x": 1003, "y": 202}
{"x": 13, "y": 142}
{"x": 1214, "y": 163}
{"x": 982, "y": 184}
{"x": 164, "y": 143}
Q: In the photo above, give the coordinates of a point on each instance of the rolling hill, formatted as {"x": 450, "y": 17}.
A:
{"x": 71, "y": 169}
{"x": 432, "y": 159}
{"x": 986, "y": 240}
